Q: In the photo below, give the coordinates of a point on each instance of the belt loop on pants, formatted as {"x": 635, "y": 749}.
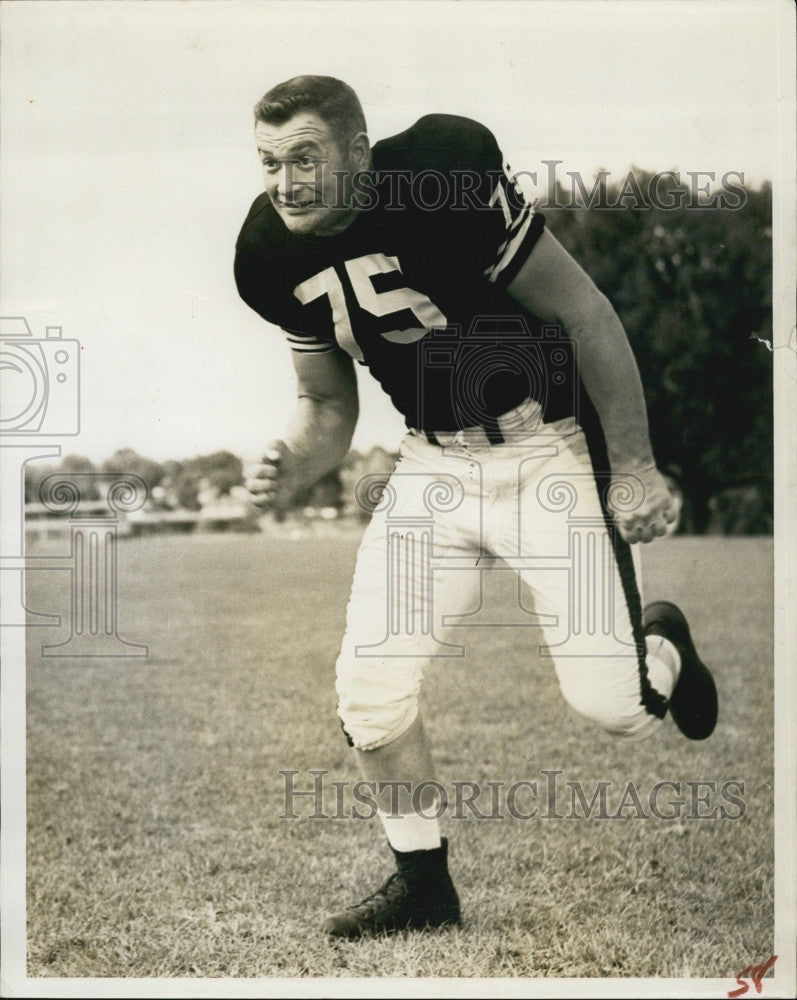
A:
{"x": 493, "y": 431}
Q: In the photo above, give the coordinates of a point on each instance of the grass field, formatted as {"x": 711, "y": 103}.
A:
{"x": 155, "y": 846}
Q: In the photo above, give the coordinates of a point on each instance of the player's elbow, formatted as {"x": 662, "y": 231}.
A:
{"x": 338, "y": 414}
{"x": 588, "y": 312}
{"x": 348, "y": 411}
{"x": 344, "y": 412}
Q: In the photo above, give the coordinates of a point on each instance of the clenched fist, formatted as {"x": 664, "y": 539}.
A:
{"x": 270, "y": 482}
{"x": 642, "y": 504}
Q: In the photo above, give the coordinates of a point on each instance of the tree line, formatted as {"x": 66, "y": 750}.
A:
{"x": 172, "y": 485}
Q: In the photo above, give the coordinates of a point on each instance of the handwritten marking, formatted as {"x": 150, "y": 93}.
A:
{"x": 756, "y": 974}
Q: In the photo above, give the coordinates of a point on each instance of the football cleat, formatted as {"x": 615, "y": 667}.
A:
{"x": 418, "y": 895}
{"x": 693, "y": 702}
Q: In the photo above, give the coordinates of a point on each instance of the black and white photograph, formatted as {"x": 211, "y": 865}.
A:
{"x": 397, "y": 453}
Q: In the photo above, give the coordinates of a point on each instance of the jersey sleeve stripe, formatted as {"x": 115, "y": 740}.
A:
{"x": 510, "y": 247}
{"x": 313, "y": 349}
{"x": 307, "y": 345}
{"x": 515, "y": 250}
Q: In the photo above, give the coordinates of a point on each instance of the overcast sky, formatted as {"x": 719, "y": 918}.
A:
{"x": 128, "y": 163}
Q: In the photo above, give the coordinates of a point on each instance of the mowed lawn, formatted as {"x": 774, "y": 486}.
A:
{"x": 155, "y": 843}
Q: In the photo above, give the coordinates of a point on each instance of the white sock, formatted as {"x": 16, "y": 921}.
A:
{"x": 663, "y": 663}
{"x": 411, "y": 832}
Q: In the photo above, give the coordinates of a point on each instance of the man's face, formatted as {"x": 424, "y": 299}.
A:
{"x": 300, "y": 159}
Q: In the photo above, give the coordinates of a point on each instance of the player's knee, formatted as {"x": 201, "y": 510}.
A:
{"x": 617, "y": 715}
{"x": 370, "y": 726}
{"x": 377, "y": 699}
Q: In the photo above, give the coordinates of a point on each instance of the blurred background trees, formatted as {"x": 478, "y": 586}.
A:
{"x": 693, "y": 287}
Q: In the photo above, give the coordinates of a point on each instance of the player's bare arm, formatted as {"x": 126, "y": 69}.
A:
{"x": 553, "y": 286}
{"x": 318, "y": 434}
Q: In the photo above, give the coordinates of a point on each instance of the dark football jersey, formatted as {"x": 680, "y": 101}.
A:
{"x": 415, "y": 287}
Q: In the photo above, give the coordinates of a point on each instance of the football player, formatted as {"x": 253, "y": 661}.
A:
{"x": 420, "y": 259}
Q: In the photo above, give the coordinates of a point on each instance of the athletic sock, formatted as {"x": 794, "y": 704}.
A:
{"x": 411, "y": 832}
{"x": 664, "y": 664}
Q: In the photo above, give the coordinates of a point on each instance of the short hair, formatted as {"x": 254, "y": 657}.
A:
{"x": 332, "y": 100}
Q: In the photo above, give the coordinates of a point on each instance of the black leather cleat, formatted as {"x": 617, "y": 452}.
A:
{"x": 693, "y": 703}
{"x": 420, "y": 894}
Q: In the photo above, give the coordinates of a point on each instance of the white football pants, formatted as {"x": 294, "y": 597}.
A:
{"x": 425, "y": 561}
